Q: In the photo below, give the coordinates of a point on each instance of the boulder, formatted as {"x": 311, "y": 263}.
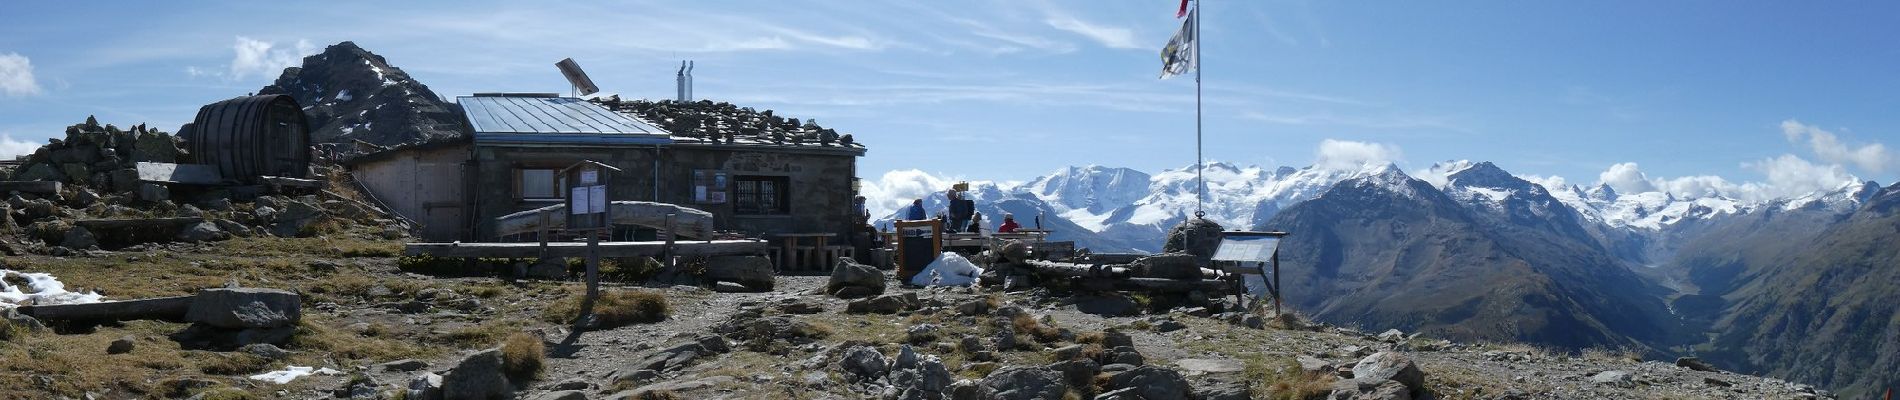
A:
{"x": 122, "y": 345}
{"x": 1695, "y": 364}
{"x": 1078, "y": 372}
{"x": 1153, "y": 383}
{"x": 239, "y": 308}
{"x": 153, "y": 192}
{"x": 1357, "y": 389}
{"x": 1392, "y": 336}
{"x": 550, "y": 268}
{"x": 19, "y": 320}
{"x": 425, "y": 386}
{"x": 477, "y": 376}
{"x": 969, "y": 390}
{"x": 1224, "y": 390}
{"x": 1387, "y": 365}
{"x": 265, "y": 350}
{"x": 1026, "y": 383}
{"x": 886, "y": 304}
{"x": 922, "y": 333}
{"x": 849, "y": 273}
{"x": 1196, "y": 236}
{"x": 864, "y": 362}
{"x": 906, "y": 358}
{"x": 1620, "y": 379}
{"x": 753, "y": 272}
{"x": 202, "y": 231}
{"x": 79, "y": 238}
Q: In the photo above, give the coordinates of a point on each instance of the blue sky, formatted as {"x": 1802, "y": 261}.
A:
{"x": 1787, "y": 95}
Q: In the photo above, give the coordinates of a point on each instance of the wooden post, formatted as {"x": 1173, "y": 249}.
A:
{"x": 543, "y": 234}
{"x": 586, "y": 319}
{"x": 670, "y": 237}
{"x": 1276, "y": 283}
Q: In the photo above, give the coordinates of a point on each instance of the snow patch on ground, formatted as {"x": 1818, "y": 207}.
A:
{"x": 40, "y": 289}
{"x": 292, "y": 373}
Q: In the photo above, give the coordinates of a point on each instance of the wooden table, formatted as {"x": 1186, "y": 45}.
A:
{"x": 790, "y": 259}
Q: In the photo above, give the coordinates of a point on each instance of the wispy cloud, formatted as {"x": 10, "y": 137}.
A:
{"x": 1358, "y": 121}
{"x": 1112, "y": 37}
{"x": 16, "y": 76}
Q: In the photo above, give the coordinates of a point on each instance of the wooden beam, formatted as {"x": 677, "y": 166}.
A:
{"x": 40, "y": 187}
{"x": 163, "y": 308}
{"x": 579, "y": 249}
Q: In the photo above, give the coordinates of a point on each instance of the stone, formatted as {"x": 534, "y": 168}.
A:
{"x": 1224, "y": 390}
{"x": 1620, "y": 379}
{"x": 1125, "y": 355}
{"x": 974, "y": 307}
{"x": 972, "y": 345}
{"x": 1194, "y": 366}
{"x": 854, "y": 292}
{"x": 1392, "y": 336}
{"x": 19, "y": 320}
{"x": 849, "y": 273}
{"x": 202, "y": 231}
{"x": 153, "y": 192}
{"x": 477, "y": 376}
{"x": 906, "y": 358}
{"x": 79, "y": 238}
{"x": 1312, "y": 365}
{"x": 1393, "y": 366}
{"x": 232, "y": 227}
{"x": 1687, "y": 362}
{"x": 122, "y": 345}
{"x": 404, "y": 365}
{"x": 1025, "y": 383}
{"x": 1114, "y": 338}
{"x": 864, "y": 362}
{"x": 967, "y": 389}
{"x": 922, "y": 333}
{"x": 561, "y": 395}
{"x": 266, "y": 350}
{"x": 425, "y": 386}
{"x": 1355, "y": 389}
{"x": 753, "y": 272}
{"x": 547, "y": 270}
{"x": 1169, "y": 325}
{"x": 886, "y": 304}
{"x": 1069, "y": 352}
{"x": 239, "y": 308}
{"x": 1196, "y": 236}
{"x": 1079, "y": 372}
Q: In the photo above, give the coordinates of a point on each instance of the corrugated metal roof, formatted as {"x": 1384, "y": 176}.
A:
{"x": 553, "y": 119}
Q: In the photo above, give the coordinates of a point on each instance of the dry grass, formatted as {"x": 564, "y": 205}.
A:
{"x": 615, "y": 308}
{"x": 235, "y": 364}
{"x": 523, "y": 356}
{"x": 1613, "y": 355}
{"x": 1282, "y": 379}
{"x": 1042, "y": 332}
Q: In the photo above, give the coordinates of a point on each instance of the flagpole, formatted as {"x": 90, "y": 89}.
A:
{"x": 1200, "y": 182}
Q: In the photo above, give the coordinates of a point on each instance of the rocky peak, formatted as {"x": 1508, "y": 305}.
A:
{"x": 1487, "y": 175}
{"x": 351, "y": 94}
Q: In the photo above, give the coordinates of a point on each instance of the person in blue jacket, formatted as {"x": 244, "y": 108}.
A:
{"x": 916, "y": 211}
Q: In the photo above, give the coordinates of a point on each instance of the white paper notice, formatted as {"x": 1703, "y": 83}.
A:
{"x": 577, "y": 201}
{"x": 590, "y": 177}
{"x": 597, "y": 199}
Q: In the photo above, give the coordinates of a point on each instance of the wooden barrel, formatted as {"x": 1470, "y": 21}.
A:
{"x": 250, "y": 137}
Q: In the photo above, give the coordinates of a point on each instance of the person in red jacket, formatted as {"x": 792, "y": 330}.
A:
{"x": 1009, "y": 224}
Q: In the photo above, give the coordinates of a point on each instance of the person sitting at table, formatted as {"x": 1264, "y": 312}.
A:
{"x": 976, "y": 223}
{"x": 1009, "y": 224}
{"x": 916, "y": 211}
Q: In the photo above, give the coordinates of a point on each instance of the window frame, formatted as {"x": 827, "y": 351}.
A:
{"x": 554, "y": 178}
{"x": 743, "y": 199}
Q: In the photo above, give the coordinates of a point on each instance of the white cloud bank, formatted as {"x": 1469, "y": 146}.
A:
{"x": 1347, "y": 155}
{"x": 16, "y": 76}
{"x": 1830, "y": 148}
{"x": 252, "y": 57}
{"x": 896, "y": 189}
{"x": 11, "y": 148}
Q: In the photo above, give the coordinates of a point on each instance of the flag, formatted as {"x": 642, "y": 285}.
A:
{"x": 1178, "y": 57}
{"x": 1183, "y": 11}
